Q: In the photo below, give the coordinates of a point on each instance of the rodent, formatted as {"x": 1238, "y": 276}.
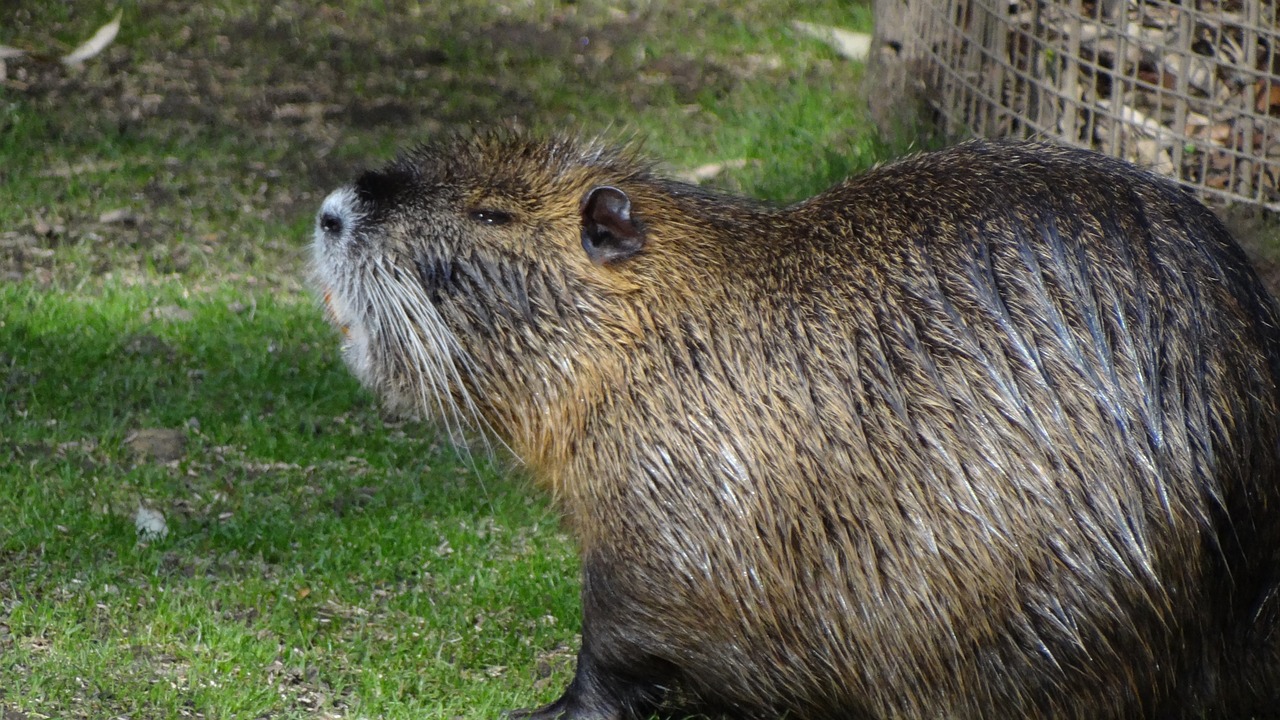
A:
{"x": 988, "y": 432}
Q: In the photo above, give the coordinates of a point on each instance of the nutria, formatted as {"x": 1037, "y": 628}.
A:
{"x": 989, "y": 432}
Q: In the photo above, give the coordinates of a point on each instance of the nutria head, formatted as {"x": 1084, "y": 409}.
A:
{"x": 496, "y": 283}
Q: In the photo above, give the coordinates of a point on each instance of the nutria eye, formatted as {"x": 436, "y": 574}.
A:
{"x": 491, "y": 217}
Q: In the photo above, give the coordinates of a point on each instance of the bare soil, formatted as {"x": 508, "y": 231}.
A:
{"x": 237, "y": 120}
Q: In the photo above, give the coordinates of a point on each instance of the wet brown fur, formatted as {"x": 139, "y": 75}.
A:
{"x": 990, "y": 432}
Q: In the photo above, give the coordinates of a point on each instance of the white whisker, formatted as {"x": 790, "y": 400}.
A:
{"x": 423, "y": 366}
{"x": 438, "y": 359}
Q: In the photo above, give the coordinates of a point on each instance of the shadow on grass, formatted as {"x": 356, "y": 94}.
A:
{"x": 302, "y": 79}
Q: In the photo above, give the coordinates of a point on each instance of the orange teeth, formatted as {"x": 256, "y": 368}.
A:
{"x": 332, "y": 315}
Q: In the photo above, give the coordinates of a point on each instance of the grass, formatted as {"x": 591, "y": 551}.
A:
{"x": 318, "y": 559}
{"x": 159, "y": 348}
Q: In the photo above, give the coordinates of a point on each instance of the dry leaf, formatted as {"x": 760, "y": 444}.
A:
{"x": 853, "y": 45}
{"x": 97, "y": 43}
{"x": 119, "y": 215}
{"x": 1268, "y": 97}
{"x": 702, "y": 173}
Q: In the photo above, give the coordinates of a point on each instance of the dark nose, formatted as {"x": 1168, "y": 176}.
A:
{"x": 330, "y": 223}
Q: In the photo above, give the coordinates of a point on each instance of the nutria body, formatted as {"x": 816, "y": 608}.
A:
{"x": 989, "y": 432}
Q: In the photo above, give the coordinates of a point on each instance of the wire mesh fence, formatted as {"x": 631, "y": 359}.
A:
{"x": 1189, "y": 89}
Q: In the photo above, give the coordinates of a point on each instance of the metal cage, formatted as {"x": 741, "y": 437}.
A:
{"x": 1188, "y": 89}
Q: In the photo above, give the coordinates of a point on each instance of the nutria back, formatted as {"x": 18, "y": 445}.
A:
{"x": 989, "y": 432}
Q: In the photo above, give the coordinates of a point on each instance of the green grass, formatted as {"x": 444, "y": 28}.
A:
{"x": 306, "y": 534}
{"x": 321, "y": 560}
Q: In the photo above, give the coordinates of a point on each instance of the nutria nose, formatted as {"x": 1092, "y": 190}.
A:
{"x": 338, "y": 216}
{"x": 331, "y": 223}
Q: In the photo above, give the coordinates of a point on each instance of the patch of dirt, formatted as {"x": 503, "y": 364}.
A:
{"x": 311, "y": 76}
{"x": 158, "y": 444}
{"x": 291, "y": 98}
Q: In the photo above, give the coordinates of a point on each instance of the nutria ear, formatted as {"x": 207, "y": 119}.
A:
{"x": 609, "y": 233}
